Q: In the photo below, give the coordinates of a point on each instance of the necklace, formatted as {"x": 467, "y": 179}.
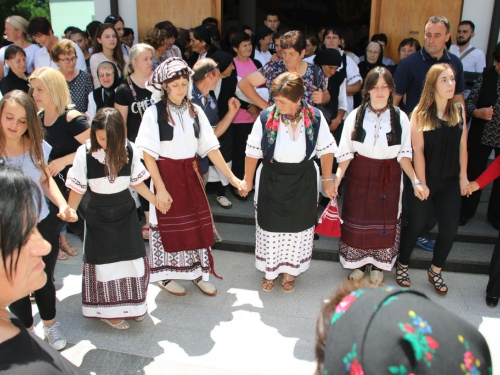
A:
{"x": 378, "y": 112}
{"x": 292, "y": 120}
{"x": 179, "y": 109}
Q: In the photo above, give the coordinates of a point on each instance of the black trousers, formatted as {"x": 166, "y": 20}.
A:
{"x": 493, "y": 288}
{"x": 445, "y": 196}
{"x": 45, "y": 297}
{"x": 240, "y": 136}
{"x": 476, "y": 164}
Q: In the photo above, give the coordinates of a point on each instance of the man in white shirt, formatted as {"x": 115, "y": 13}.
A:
{"x": 473, "y": 59}
{"x": 263, "y": 39}
{"x": 41, "y": 30}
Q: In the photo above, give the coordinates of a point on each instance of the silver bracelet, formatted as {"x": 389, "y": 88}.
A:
{"x": 327, "y": 179}
{"x": 417, "y": 182}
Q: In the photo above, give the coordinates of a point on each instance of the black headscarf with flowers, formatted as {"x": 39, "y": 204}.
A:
{"x": 390, "y": 330}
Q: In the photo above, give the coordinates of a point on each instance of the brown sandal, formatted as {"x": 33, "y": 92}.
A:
{"x": 287, "y": 285}
{"x": 267, "y": 285}
{"x": 71, "y": 251}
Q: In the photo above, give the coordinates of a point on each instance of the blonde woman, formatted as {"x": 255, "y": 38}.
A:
{"x": 438, "y": 124}
{"x": 16, "y": 31}
{"x": 65, "y": 130}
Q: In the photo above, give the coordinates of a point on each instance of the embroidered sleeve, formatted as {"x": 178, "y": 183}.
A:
{"x": 326, "y": 143}
{"x": 77, "y": 175}
{"x": 254, "y": 141}
{"x": 207, "y": 141}
{"x": 405, "y": 151}
{"x": 139, "y": 173}
{"x": 148, "y": 137}
{"x": 346, "y": 146}
{"x": 352, "y": 72}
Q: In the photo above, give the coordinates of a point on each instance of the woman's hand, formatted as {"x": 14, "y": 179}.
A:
{"x": 56, "y": 166}
{"x": 329, "y": 188}
{"x": 248, "y": 187}
{"x": 237, "y": 183}
{"x": 66, "y": 213}
{"x": 472, "y": 187}
{"x": 485, "y": 113}
{"x": 464, "y": 182}
{"x": 254, "y": 111}
{"x": 318, "y": 96}
{"x": 421, "y": 191}
{"x": 336, "y": 183}
{"x": 163, "y": 201}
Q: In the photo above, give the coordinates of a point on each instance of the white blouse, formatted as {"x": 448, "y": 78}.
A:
{"x": 184, "y": 145}
{"x": 287, "y": 150}
{"x": 375, "y": 144}
{"x": 77, "y": 175}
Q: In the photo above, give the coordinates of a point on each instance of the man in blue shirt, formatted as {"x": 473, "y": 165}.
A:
{"x": 411, "y": 72}
{"x": 410, "y": 78}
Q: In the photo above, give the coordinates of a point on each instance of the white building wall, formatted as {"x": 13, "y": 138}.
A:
{"x": 126, "y": 8}
{"x": 479, "y": 12}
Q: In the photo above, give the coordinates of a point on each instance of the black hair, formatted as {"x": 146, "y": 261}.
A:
{"x": 92, "y": 29}
{"x": 245, "y": 27}
{"x": 379, "y": 38}
{"x": 210, "y": 21}
{"x": 470, "y": 23}
{"x": 496, "y": 53}
{"x": 437, "y": 19}
{"x": 164, "y": 25}
{"x": 240, "y": 37}
{"x": 20, "y": 205}
{"x": 346, "y": 34}
{"x": 112, "y": 19}
{"x": 271, "y": 13}
{"x": 39, "y": 25}
{"x": 70, "y": 29}
{"x": 313, "y": 39}
{"x": 128, "y": 31}
{"x": 12, "y": 51}
{"x": 76, "y": 30}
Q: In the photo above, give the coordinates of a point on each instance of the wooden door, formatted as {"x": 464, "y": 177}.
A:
{"x": 400, "y": 19}
{"x": 182, "y": 13}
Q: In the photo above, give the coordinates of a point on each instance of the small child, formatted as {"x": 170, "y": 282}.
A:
{"x": 115, "y": 270}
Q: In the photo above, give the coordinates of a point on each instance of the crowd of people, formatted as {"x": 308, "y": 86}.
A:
{"x": 102, "y": 127}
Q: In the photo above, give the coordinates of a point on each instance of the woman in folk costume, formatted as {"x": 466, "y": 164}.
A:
{"x": 374, "y": 146}
{"x": 172, "y": 132}
{"x": 287, "y": 136}
{"x": 115, "y": 268}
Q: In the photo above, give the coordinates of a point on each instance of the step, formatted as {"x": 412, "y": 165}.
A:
{"x": 464, "y": 257}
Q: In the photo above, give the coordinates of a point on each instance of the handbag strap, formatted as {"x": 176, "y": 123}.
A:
{"x": 466, "y": 53}
{"x": 129, "y": 81}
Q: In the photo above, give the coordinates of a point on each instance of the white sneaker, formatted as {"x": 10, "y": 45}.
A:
{"x": 54, "y": 336}
{"x": 205, "y": 286}
{"x": 224, "y": 202}
{"x": 172, "y": 287}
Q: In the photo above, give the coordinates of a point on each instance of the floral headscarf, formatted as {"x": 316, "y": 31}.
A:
{"x": 390, "y": 330}
{"x": 171, "y": 68}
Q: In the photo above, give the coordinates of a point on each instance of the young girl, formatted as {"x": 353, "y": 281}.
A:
{"x": 103, "y": 96}
{"x": 115, "y": 270}
{"x": 439, "y": 140}
{"x": 22, "y": 146}
{"x": 107, "y": 47}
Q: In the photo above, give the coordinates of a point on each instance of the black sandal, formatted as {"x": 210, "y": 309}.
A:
{"x": 438, "y": 282}
{"x": 402, "y": 275}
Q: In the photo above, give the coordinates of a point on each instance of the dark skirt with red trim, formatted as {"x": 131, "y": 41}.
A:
{"x": 371, "y": 227}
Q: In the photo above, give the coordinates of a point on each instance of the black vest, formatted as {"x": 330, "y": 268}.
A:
{"x": 167, "y": 130}
{"x": 95, "y": 168}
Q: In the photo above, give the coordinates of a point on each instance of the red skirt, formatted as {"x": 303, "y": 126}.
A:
{"x": 371, "y": 203}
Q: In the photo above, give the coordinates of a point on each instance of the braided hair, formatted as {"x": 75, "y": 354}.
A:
{"x": 370, "y": 82}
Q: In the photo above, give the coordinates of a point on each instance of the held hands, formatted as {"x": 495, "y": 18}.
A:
{"x": 56, "y": 166}
{"x": 241, "y": 185}
{"x": 330, "y": 187}
{"x": 335, "y": 124}
{"x": 248, "y": 187}
{"x": 421, "y": 191}
{"x": 233, "y": 105}
{"x": 163, "y": 201}
{"x": 471, "y": 188}
{"x": 464, "y": 183}
{"x": 66, "y": 213}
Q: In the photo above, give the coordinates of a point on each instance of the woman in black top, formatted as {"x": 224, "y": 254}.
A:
{"x": 22, "y": 272}
{"x": 16, "y": 79}
{"x": 132, "y": 98}
{"x": 437, "y": 123}
{"x": 374, "y": 54}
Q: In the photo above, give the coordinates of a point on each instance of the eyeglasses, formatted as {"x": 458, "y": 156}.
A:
{"x": 216, "y": 66}
{"x": 69, "y": 59}
{"x": 108, "y": 74}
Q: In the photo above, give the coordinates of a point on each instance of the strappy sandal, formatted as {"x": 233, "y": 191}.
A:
{"x": 62, "y": 255}
{"x": 402, "y": 275}
{"x": 287, "y": 285}
{"x": 437, "y": 280}
{"x": 71, "y": 251}
{"x": 267, "y": 285}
